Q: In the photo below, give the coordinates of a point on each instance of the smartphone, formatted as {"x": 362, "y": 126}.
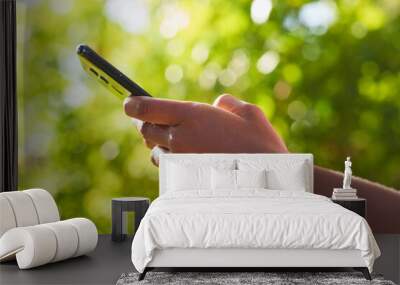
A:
{"x": 109, "y": 76}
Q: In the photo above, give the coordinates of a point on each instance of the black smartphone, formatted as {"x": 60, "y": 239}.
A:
{"x": 109, "y": 76}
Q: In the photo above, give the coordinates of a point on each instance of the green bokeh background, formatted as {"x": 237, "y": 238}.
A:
{"x": 332, "y": 89}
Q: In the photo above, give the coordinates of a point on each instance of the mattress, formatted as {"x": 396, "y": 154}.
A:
{"x": 250, "y": 219}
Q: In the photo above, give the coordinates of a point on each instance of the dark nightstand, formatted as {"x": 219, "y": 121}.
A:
{"x": 358, "y": 206}
{"x": 120, "y": 207}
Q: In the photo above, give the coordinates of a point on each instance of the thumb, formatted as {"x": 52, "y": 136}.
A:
{"x": 238, "y": 107}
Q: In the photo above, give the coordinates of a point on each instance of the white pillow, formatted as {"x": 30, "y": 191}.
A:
{"x": 281, "y": 174}
{"x": 182, "y": 177}
{"x": 227, "y": 179}
{"x": 251, "y": 178}
{"x": 223, "y": 179}
{"x": 292, "y": 179}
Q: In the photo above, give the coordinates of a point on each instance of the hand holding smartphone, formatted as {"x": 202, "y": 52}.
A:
{"x": 114, "y": 80}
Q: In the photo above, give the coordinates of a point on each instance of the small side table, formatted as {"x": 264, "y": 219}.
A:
{"x": 120, "y": 206}
{"x": 358, "y": 206}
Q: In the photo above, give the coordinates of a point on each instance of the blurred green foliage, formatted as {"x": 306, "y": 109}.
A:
{"x": 327, "y": 75}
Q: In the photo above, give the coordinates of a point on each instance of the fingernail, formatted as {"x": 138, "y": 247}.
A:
{"x": 127, "y": 99}
{"x": 155, "y": 155}
{"x": 156, "y": 152}
{"x": 138, "y": 124}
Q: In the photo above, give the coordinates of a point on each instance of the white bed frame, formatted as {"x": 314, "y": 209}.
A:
{"x": 234, "y": 257}
{"x": 251, "y": 258}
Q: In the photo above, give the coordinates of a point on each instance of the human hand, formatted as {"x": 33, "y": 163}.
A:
{"x": 227, "y": 126}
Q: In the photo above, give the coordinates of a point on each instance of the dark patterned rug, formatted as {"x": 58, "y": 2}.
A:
{"x": 230, "y": 278}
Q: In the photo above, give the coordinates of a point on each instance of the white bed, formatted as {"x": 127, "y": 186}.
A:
{"x": 201, "y": 220}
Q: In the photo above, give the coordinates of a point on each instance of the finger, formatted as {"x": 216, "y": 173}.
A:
{"x": 242, "y": 109}
{"x": 149, "y": 144}
{"x": 228, "y": 103}
{"x": 157, "y": 134}
{"x": 157, "y": 111}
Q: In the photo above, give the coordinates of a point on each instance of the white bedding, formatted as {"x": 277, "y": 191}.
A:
{"x": 250, "y": 218}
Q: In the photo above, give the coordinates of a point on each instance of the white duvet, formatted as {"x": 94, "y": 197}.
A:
{"x": 250, "y": 219}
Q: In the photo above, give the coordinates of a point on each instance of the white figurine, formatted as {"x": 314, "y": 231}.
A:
{"x": 347, "y": 174}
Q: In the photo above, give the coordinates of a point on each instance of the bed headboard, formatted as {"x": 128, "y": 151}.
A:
{"x": 216, "y": 158}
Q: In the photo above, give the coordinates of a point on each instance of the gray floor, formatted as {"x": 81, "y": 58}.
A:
{"x": 111, "y": 259}
{"x": 102, "y": 266}
{"x": 388, "y": 263}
